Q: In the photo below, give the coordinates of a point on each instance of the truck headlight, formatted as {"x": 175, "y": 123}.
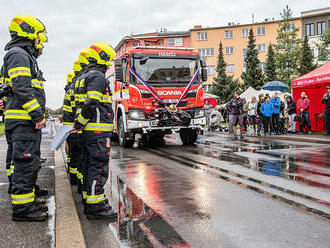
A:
{"x": 199, "y": 113}
{"x": 136, "y": 114}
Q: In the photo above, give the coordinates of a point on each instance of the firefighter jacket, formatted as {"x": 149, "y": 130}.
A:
{"x": 27, "y": 104}
{"x": 79, "y": 96}
{"x": 67, "y": 108}
{"x": 96, "y": 112}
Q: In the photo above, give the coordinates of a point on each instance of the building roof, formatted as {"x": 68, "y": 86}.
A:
{"x": 153, "y": 35}
{"x": 315, "y": 12}
{"x": 242, "y": 25}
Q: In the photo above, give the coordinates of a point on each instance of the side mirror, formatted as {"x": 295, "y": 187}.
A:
{"x": 204, "y": 74}
{"x": 119, "y": 74}
{"x": 203, "y": 71}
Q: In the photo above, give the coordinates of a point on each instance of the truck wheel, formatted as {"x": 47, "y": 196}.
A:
{"x": 188, "y": 136}
{"x": 123, "y": 141}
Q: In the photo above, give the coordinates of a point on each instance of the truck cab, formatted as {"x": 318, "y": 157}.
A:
{"x": 147, "y": 84}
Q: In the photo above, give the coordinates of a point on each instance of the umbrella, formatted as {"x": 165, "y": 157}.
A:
{"x": 275, "y": 85}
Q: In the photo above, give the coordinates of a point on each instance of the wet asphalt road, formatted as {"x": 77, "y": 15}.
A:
{"x": 222, "y": 192}
{"x": 27, "y": 234}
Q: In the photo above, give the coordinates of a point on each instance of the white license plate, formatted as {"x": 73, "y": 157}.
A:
{"x": 171, "y": 100}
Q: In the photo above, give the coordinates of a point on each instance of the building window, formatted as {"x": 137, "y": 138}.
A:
{"x": 290, "y": 27}
{"x": 201, "y": 35}
{"x": 321, "y": 28}
{"x": 205, "y": 52}
{"x": 310, "y": 29}
{"x": 245, "y": 32}
{"x": 261, "y": 30}
{"x": 262, "y": 47}
{"x": 244, "y": 52}
{"x": 229, "y": 50}
{"x": 177, "y": 42}
{"x": 208, "y": 87}
{"x": 230, "y": 68}
{"x": 228, "y": 34}
{"x": 210, "y": 70}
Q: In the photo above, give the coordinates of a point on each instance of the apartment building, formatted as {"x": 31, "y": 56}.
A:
{"x": 234, "y": 38}
{"x": 162, "y": 38}
{"x": 314, "y": 24}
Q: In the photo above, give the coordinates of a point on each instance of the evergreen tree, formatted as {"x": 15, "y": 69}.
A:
{"x": 324, "y": 46}
{"x": 223, "y": 85}
{"x": 253, "y": 74}
{"x": 306, "y": 58}
{"x": 270, "y": 67}
{"x": 287, "y": 48}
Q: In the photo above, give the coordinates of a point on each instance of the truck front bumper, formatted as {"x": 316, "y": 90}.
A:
{"x": 197, "y": 123}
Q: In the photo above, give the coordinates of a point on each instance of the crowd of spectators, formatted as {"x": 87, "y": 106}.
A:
{"x": 269, "y": 115}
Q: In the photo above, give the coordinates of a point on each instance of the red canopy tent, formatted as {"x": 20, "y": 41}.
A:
{"x": 314, "y": 84}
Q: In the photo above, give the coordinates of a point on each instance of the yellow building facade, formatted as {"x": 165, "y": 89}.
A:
{"x": 234, "y": 40}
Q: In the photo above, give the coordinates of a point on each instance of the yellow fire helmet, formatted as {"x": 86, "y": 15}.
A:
{"x": 102, "y": 53}
{"x": 29, "y": 27}
{"x": 69, "y": 77}
{"x": 76, "y": 66}
{"x": 83, "y": 56}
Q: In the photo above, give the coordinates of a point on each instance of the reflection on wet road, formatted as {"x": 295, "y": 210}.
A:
{"x": 222, "y": 192}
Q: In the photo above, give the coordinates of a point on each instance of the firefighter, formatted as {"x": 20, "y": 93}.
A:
{"x": 68, "y": 118}
{"x": 9, "y": 163}
{"x": 96, "y": 121}
{"x": 78, "y": 150}
{"x": 24, "y": 115}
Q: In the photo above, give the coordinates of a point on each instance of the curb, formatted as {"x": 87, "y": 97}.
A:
{"x": 68, "y": 231}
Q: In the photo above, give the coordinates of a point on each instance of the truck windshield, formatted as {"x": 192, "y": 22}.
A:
{"x": 166, "y": 70}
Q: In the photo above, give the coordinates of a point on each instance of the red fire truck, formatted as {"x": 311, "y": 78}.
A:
{"x": 157, "y": 91}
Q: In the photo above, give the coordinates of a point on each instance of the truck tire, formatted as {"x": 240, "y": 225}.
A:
{"x": 188, "y": 136}
{"x": 123, "y": 141}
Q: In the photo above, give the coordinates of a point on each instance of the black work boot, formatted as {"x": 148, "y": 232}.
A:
{"x": 79, "y": 190}
{"x": 39, "y": 201}
{"x": 34, "y": 216}
{"x": 103, "y": 214}
{"x": 73, "y": 180}
{"x": 10, "y": 185}
{"x": 10, "y": 188}
{"x": 42, "y": 207}
{"x": 40, "y": 191}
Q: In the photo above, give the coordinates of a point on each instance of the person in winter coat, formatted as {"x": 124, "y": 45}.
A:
{"x": 292, "y": 113}
{"x": 275, "y": 117}
{"x": 326, "y": 101}
{"x": 267, "y": 110}
{"x": 303, "y": 105}
{"x": 252, "y": 112}
{"x": 260, "y": 117}
{"x": 236, "y": 106}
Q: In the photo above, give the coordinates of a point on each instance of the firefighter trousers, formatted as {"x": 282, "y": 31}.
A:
{"x": 9, "y": 158}
{"x": 75, "y": 155}
{"x": 26, "y": 162}
{"x": 96, "y": 168}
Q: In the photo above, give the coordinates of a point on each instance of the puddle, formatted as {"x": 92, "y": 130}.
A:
{"x": 138, "y": 225}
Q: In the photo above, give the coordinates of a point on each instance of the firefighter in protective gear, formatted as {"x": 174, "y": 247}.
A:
{"x": 96, "y": 121}
{"x": 68, "y": 118}
{"x": 24, "y": 114}
{"x": 78, "y": 149}
{"x": 9, "y": 163}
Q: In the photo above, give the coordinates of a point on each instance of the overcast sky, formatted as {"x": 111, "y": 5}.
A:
{"x": 74, "y": 24}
